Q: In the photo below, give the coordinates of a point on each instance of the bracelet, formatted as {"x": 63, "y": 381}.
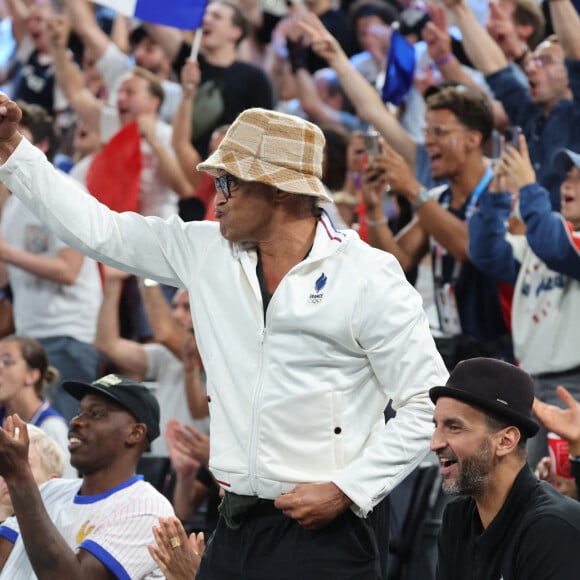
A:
{"x": 444, "y": 59}
{"x": 373, "y": 223}
{"x": 423, "y": 196}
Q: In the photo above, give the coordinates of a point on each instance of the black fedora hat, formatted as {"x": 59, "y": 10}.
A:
{"x": 501, "y": 388}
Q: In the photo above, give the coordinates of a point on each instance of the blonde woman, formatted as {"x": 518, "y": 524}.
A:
{"x": 46, "y": 462}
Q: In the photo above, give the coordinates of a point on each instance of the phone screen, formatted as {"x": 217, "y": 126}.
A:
{"x": 371, "y": 145}
{"x": 512, "y": 137}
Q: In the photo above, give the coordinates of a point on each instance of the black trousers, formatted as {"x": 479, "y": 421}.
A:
{"x": 270, "y": 546}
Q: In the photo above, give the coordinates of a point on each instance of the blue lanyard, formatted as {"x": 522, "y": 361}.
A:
{"x": 440, "y": 251}
{"x": 476, "y": 193}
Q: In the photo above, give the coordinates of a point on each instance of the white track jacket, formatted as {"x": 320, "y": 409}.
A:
{"x": 296, "y": 396}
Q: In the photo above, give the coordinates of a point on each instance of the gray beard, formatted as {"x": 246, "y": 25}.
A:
{"x": 473, "y": 475}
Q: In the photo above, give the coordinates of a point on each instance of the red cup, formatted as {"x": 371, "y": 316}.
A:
{"x": 559, "y": 455}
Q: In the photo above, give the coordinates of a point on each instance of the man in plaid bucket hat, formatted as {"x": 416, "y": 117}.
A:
{"x": 305, "y": 333}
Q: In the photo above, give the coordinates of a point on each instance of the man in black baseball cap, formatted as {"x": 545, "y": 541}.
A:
{"x": 511, "y": 525}
{"x": 133, "y": 396}
{"x": 98, "y": 526}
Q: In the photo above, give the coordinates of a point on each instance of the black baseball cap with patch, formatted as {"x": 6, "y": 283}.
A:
{"x": 133, "y": 396}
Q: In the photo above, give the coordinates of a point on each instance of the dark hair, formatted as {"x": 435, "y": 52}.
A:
{"x": 496, "y": 423}
{"x": 154, "y": 85}
{"x": 137, "y": 35}
{"x": 386, "y": 11}
{"x": 471, "y": 107}
{"x": 528, "y": 12}
{"x": 239, "y": 19}
{"x": 334, "y": 87}
{"x": 34, "y": 354}
{"x": 335, "y": 151}
{"x": 42, "y": 127}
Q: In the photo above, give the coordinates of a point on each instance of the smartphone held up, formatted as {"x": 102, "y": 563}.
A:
{"x": 372, "y": 145}
{"x": 512, "y": 137}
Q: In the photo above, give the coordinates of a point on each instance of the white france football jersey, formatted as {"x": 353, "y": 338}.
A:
{"x": 115, "y": 527}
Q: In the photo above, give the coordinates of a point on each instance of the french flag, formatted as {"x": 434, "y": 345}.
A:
{"x": 185, "y": 14}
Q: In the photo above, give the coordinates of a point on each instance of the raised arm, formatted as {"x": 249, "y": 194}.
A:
{"x": 480, "y": 47}
{"x": 69, "y": 78}
{"x": 127, "y": 241}
{"x": 171, "y": 169}
{"x": 438, "y": 40}
{"x": 186, "y": 154}
{"x": 194, "y": 388}
{"x": 85, "y": 24}
{"x": 566, "y": 23}
{"x": 550, "y": 236}
{"x": 166, "y": 330}
{"x": 18, "y": 13}
{"x": 127, "y": 355}
{"x": 49, "y": 553}
{"x": 364, "y": 97}
{"x": 413, "y": 244}
{"x": 489, "y": 249}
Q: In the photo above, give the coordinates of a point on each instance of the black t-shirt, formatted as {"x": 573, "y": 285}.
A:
{"x": 477, "y": 294}
{"x": 535, "y": 536}
{"x": 242, "y": 87}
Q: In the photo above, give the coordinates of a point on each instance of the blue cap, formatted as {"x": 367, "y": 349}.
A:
{"x": 564, "y": 159}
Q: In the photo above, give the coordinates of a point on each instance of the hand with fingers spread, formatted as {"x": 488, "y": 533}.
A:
{"x": 177, "y": 556}
{"x": 517, "y": 165}
{"x": 564, "y": 422}
{"x": 313, "y": 505}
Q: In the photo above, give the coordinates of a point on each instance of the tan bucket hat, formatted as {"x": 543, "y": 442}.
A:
{"x": 274, "y": 148}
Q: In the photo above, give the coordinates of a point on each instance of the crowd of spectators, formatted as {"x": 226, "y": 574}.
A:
{"x": 475, "y": 181}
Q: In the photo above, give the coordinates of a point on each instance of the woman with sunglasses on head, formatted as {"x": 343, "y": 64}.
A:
{"x": 24, "y": 372}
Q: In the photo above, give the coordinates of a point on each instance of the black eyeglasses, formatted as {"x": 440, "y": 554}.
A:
{"x": 222, "y": 183}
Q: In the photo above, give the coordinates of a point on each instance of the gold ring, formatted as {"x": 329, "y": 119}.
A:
{"x": 174, "y": 542}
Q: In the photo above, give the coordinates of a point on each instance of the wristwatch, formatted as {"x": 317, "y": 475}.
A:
{"x": 421, "y": 198}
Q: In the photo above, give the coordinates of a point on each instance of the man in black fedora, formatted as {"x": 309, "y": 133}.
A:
{"x": 510, "y": 525}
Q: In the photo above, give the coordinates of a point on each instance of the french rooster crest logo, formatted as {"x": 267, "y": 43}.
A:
{"x": 318, "y": 295}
